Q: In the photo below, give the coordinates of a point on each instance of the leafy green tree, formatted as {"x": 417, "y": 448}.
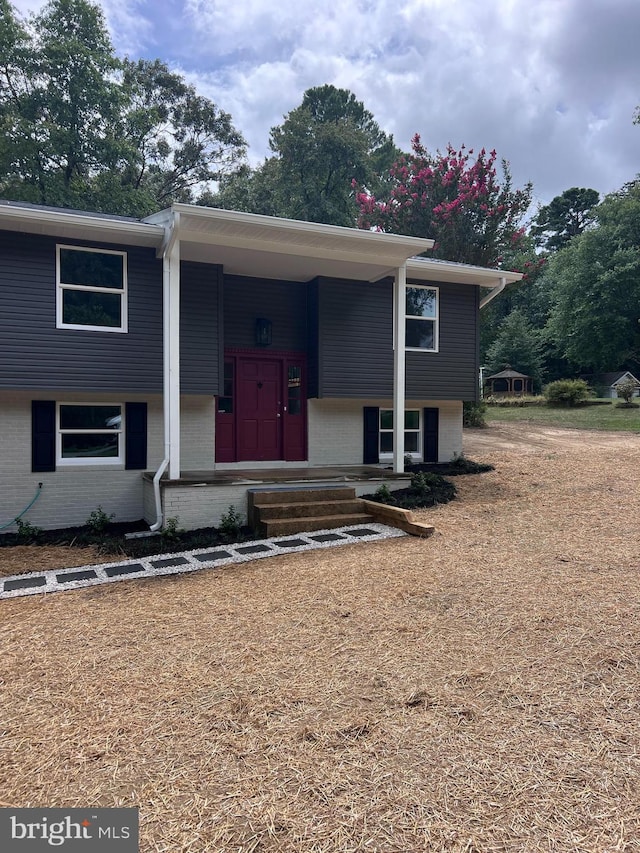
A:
{"x": 323, "y": 146}
{"x": 319, "y": 150}
{"x": 566, "y": 216}
{"x": 453, "y": 199}
{"x": 251, "y": 190}
{"x": 517, "y": 345}
{"x": 60, "y": 104}
{"x": 595, "y": 287}
{"x": 82, "y": 128}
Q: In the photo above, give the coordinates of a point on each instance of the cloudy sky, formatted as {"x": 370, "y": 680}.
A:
{"x": 551, "y": 84}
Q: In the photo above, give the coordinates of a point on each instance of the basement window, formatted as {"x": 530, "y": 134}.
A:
{"x": 89, "y": 434}
{"x": 412, "y": 434}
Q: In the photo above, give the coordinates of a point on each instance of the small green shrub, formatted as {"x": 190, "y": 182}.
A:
{"x": 170, "y": 531}
{"x": 626, "y": 390}
{"x": 98, "y": 520}
{"x": 473, "y": 413}
{"x": 382, "y": 495}
{"x": 567, "y": 392}
{"x": 27, "y": 533}
{"x": 230, "y": 523}
{"x": 423, "y": 484}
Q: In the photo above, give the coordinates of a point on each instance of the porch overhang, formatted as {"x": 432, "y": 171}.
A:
{"x": 286, "y": 249}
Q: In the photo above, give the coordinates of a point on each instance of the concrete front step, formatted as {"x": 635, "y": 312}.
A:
{"x": 287, "y": 526}
{"x": 267, "y": 512}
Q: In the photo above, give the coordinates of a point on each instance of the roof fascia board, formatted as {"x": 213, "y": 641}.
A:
{"x": 44, "y": 222}
{"x": 427, "y": 270}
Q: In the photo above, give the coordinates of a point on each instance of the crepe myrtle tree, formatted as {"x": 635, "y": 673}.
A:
{"x": 455, "y": 198}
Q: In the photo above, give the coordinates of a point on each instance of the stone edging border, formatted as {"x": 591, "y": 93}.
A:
{"x": 59, "y": 580}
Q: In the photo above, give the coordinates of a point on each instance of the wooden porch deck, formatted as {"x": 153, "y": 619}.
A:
{"x": 265, "y": 476}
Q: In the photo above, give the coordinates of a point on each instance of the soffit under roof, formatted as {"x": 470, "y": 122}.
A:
{"x": 247, "y": 244}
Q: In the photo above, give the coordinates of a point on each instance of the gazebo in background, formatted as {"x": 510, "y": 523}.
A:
{"x": 509, "y": 383}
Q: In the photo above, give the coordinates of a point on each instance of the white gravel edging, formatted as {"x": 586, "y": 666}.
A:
{"x": 53, "y": 580}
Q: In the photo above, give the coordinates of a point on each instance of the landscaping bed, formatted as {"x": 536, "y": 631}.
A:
{"x": 107, "y": 544}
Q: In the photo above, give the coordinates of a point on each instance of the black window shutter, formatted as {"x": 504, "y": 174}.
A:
{"x": 431, "y": 418}
{"x": 43, "y": 435}
{"x": 371, "y": 435}
{"x": 135, "y": 425}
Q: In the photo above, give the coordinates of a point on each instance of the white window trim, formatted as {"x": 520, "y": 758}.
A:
{"x": 121, "y": 292}
{"x": 435, "y": 320}
{"x": 416, "y": 456}
{"x": 90, "y": 460}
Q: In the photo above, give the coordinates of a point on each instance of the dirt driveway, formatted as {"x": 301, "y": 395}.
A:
{"x": 531, "y": 438}
{"x": 475, "y": 691}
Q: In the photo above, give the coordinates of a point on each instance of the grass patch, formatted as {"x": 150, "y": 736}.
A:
{"x": 607, "y": 417}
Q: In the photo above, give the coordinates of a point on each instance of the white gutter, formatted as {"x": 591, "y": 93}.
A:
{"x": 171, "y": 236}
{"x": 109, "y": 229}
{"x": 493, "y": 293}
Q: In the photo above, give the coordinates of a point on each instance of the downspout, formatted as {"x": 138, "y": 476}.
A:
{"x": 493, "y": 293}
{"x": 171, "y": 236}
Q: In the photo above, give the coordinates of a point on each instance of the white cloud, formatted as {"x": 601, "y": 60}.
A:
{"x": 551, "y": 85}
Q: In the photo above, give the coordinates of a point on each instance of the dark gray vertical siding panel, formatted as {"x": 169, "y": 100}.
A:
{"x": 356, "y": 343}
{"x": 199, "y": 329}
{"x": 34, "y": 354}
{"x": 313, "y": 343}
{"x": 356, "y": 339}
{"x": 451, "y": 373}
{"x": 282, "y": 302}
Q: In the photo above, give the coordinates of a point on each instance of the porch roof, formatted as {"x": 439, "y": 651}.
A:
{"x": 287, "y": 249}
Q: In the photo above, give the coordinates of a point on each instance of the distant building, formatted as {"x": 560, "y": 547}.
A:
{"x": 606, "y": 384}
{"x": 509, "y": 383}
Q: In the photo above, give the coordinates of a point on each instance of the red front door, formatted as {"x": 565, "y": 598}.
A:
{"x": 259, "y": 409}
{"x": 261, "y": 415}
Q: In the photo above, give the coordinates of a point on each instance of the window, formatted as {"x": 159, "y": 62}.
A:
{"x": 225, "y": 401}
{"x": 89, "y": 434}
{"x": 294, "y": 390}
{"x": 421, "y": 318}
{"x": 91, "y": 289}
{"x": 412, "y": 433}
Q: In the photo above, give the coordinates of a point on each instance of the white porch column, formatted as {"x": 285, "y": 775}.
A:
{"x": 171, "y": 336}
{"x": 399, "y": 311}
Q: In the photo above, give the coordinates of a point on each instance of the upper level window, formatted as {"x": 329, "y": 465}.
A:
{"x": 421, "y": 318}
{"x": 92, "y": 289}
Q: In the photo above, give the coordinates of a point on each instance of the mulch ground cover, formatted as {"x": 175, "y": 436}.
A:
{"x": 478, "y": 690}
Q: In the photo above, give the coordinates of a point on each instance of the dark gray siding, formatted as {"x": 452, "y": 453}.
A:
{"x": 282, "y": 302}
{"x": 355, "y": 339}
{"x": 34, "y": 354}
{"x": 200, "y": 328}
{"x": 355, "y": 343}
{"x": 452, "y": 373}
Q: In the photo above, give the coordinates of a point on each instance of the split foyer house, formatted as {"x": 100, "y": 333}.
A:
{"x": 140, "y": 358}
